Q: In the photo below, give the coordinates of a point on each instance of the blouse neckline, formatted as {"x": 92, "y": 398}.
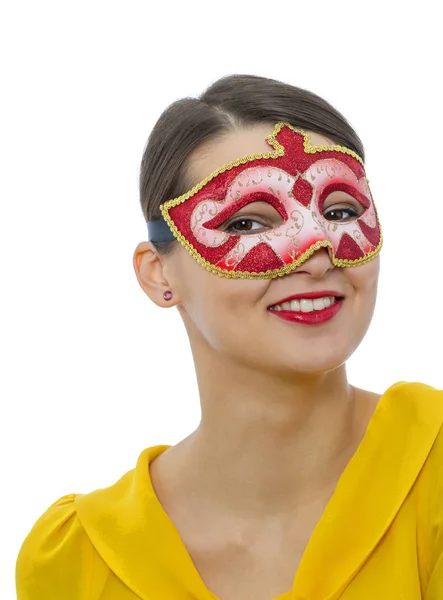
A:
{"x": 140, "y": 543}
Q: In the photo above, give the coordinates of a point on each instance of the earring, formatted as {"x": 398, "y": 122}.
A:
{"x": 167, "y": 295}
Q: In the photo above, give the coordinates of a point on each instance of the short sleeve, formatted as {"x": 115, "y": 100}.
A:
{"x": 57, "y": 559}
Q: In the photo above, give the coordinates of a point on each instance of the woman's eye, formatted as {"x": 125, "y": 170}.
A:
{"x": 244, "y": 226}
{"x": 341, "y": 214}
{"x": 259, "y": 217}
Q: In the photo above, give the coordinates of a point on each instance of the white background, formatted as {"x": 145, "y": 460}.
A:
{"x": 91, "y": 371}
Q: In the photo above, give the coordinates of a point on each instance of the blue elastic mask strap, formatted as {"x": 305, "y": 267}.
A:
{"x": 158, "y": 231}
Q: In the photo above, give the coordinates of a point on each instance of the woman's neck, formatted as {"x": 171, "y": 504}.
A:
{"x": 266, "y": 445}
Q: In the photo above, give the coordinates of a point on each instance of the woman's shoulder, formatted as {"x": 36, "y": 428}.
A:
{"x": 423, "y": 413}
{"x": 413, "y": 411}
{"x": 415, "y": 399}
{"x": 68, "y": 549}
{"x": 57, "y": 528}
{"x": 56, "y": 558}
{"x": 416, "y": 389}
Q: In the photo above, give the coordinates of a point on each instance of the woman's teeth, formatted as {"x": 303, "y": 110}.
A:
{"x": 303, "y": 305}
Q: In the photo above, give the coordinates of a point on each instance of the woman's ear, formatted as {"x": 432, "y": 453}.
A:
{"x": 150, "y": 272}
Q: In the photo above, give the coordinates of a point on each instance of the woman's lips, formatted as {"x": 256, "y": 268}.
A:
{"x": 316, "y": 317}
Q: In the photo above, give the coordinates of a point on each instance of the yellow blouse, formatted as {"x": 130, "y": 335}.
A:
{"x": 380, "y": 537}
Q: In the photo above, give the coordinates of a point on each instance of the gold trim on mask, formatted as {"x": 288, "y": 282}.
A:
{"x": 278, "y": 151}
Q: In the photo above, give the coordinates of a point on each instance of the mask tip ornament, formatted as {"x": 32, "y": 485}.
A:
{"x": 295, "y": 178}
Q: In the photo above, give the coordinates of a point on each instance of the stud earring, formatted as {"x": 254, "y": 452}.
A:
{"x": 167, "y": 295}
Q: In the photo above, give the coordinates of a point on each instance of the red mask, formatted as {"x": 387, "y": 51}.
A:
{"x": 295, "y": 181}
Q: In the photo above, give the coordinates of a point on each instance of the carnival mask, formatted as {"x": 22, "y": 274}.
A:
{"x": 293, "y": 184}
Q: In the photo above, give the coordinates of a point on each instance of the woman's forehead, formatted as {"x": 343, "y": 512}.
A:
{"x": 211, "y": 155}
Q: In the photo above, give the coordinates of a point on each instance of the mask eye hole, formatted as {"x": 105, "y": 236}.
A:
{"x": 256, "y": 217}
{"x": 339, "y": 206}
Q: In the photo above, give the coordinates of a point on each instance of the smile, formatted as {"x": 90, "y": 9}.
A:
{"x": 305, "y": 305}
{"x": 308, "y": 311}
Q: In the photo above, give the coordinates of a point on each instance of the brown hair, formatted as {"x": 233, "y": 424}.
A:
{"x": 230, "y": 103}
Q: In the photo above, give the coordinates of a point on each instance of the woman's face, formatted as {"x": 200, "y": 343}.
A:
{"x": 232, "y": 316}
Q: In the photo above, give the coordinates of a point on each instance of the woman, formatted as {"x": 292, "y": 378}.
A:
{"x": 296, "y": 484}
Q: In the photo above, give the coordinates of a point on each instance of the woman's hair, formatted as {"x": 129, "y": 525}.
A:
{"x": 232, "y": 102}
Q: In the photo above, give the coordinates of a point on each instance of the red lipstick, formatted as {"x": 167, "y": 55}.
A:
{"x": 310, "y": 318}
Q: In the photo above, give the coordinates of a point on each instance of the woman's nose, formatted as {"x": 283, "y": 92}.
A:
{"x": 318, "y": 264}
